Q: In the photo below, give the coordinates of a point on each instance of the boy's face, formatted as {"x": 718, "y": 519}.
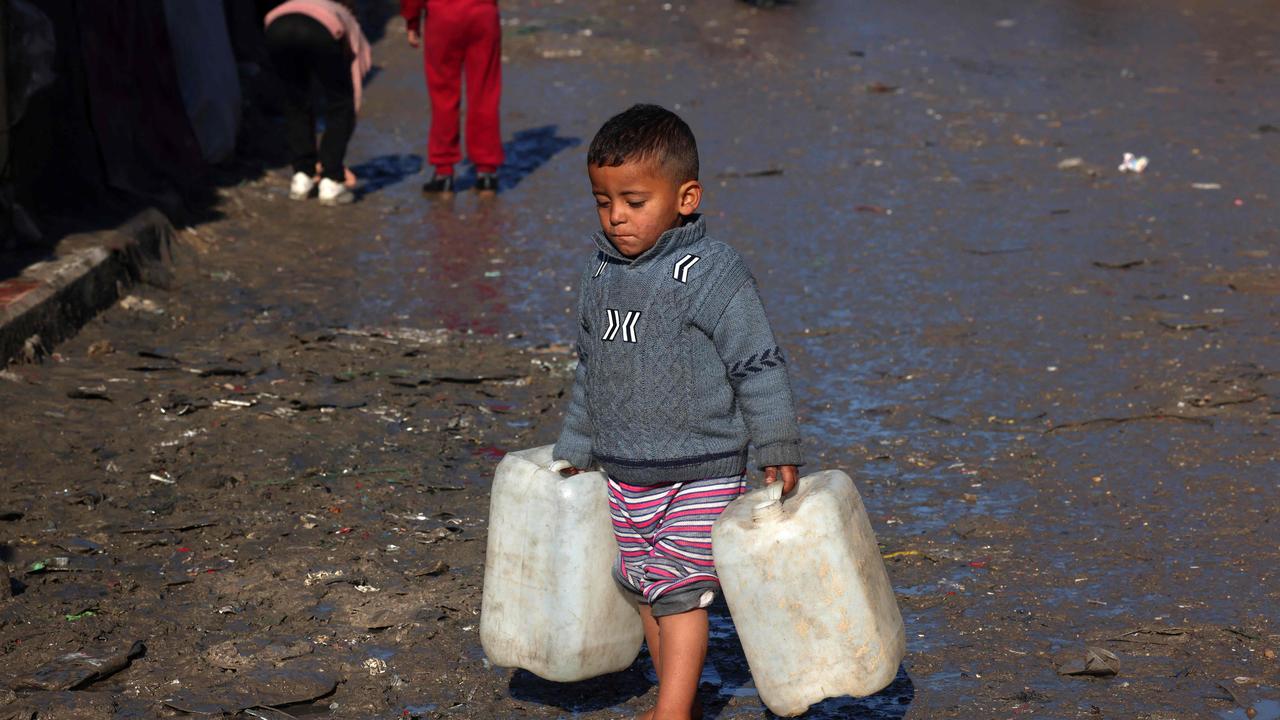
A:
{"x": 638, "y": 201}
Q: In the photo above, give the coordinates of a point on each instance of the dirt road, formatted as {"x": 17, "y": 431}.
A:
{"x": 1056, "y": 384}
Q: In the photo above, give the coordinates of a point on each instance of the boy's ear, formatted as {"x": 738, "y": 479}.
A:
{"x": 690, "y": 196}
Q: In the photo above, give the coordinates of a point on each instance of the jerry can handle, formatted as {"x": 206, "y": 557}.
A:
{"x": 558, "y": 465}
{"x": 772, "y": 506}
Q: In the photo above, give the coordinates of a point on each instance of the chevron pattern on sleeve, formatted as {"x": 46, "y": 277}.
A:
{"x": 757, "y": 363}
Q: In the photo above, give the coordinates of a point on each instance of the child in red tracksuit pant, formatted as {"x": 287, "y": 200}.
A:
{"x": 460, "y": 35}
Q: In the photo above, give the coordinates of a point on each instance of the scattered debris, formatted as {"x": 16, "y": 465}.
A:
{"x": 171, "y": 528}
{"x": 908, "y": 553}
{"x": 1108, "y": 421}
{"x": 101, "y": 348}
{"x": 1153, "y": 636}
{"x": 324, "y": 577}
{"x": 267, "y": 713}
{"x": 79, "y": 546}
{"x": 95, "y": 392}
{"x": 1206, "y": 186}
{"x": 439, "y": 567}
{"x": 440, "y": 533}
{"x": 767, "y": 172}
{"x": 139, "y": 304}
{"x": 1125, "y": 265}
{"x": 879, "y": 88}
{"x": 1133, "y": 164}
{"x": 256, "y": 652}
{"x": 49, "y": 564}
{"x": 78, "y": 669}
{"x": 1096, "y": 662}
{"x": 257, "y": 687}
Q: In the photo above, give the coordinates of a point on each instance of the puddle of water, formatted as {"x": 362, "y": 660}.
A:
{"x": 726, "y": 685}
{"x": 957, "y": 328}
{"x": 1263, "y": 710}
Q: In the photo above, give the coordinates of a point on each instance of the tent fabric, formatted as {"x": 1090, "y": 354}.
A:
{"x": 29, "y": 66}
{"x": 207, "y": 75}
{"x": 146, "y": 142}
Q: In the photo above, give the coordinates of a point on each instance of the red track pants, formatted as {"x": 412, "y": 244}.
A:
{"x": 463, "y": 35}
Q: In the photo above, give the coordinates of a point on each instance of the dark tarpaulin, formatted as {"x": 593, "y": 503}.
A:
{"x": 135, "y": 104}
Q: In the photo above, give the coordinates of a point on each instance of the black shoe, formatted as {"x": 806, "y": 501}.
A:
{"x": 487, "y": 182}
{"x": 438, "y": 184}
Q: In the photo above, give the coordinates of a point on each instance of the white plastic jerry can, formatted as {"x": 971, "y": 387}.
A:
{"x": 550, "y": 603}
{"x": 808, "y": 592}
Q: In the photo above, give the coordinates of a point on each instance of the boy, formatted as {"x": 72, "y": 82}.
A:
{"x": 677, "y": 370}
{"x": 460, "y": 35}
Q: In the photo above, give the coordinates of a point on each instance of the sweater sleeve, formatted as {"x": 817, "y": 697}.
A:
{"x": 411, "y": 11}
{"x": 757, "y": 369}
{"x": 574, "y": 444}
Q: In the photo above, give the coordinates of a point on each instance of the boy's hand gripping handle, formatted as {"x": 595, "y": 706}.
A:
{"x": 563, "y": 467}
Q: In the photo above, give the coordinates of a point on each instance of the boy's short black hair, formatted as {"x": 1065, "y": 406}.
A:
{"x": 646, "y": 132}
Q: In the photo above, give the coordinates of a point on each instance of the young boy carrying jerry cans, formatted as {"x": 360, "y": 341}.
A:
{"x": 678, "y": 372}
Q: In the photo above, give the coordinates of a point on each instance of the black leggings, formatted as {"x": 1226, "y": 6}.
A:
{"x": 302, "y": 49}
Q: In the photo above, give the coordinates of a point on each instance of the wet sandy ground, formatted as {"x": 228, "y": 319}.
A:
{"x": 1055, "y": 384}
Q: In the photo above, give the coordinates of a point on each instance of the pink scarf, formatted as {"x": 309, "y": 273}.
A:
{"x": 339, "y": 21}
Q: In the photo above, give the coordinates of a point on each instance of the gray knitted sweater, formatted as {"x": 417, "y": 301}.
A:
{"x": 678, "y": 369}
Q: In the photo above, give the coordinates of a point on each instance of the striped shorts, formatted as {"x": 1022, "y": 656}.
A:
{"x": 664, "y": 540}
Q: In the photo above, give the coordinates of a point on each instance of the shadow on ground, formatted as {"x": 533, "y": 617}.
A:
{"x": 527, "y": 151}
{"x": 385, "y": 170}
{"x": 598, "y": 693}
{"x": 726, "y": 688}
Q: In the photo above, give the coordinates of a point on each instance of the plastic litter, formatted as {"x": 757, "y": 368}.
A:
{"x": 1133, "y": 163}
{"x": 49, "y": 564}
{"x": 1095, "y": 662}
{"x": 80, "y": 546}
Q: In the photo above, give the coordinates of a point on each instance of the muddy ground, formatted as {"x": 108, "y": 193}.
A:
{"x": 1057, "y": 385}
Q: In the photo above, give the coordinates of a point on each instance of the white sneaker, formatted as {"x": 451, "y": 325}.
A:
{"x": 335, "y": 193}
{"x": 301, "y": 186}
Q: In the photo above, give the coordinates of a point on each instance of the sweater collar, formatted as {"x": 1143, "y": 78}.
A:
{"x": 669, "y": 242}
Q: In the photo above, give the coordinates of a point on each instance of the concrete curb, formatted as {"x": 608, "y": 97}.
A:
{"x": 52, "y": 300}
